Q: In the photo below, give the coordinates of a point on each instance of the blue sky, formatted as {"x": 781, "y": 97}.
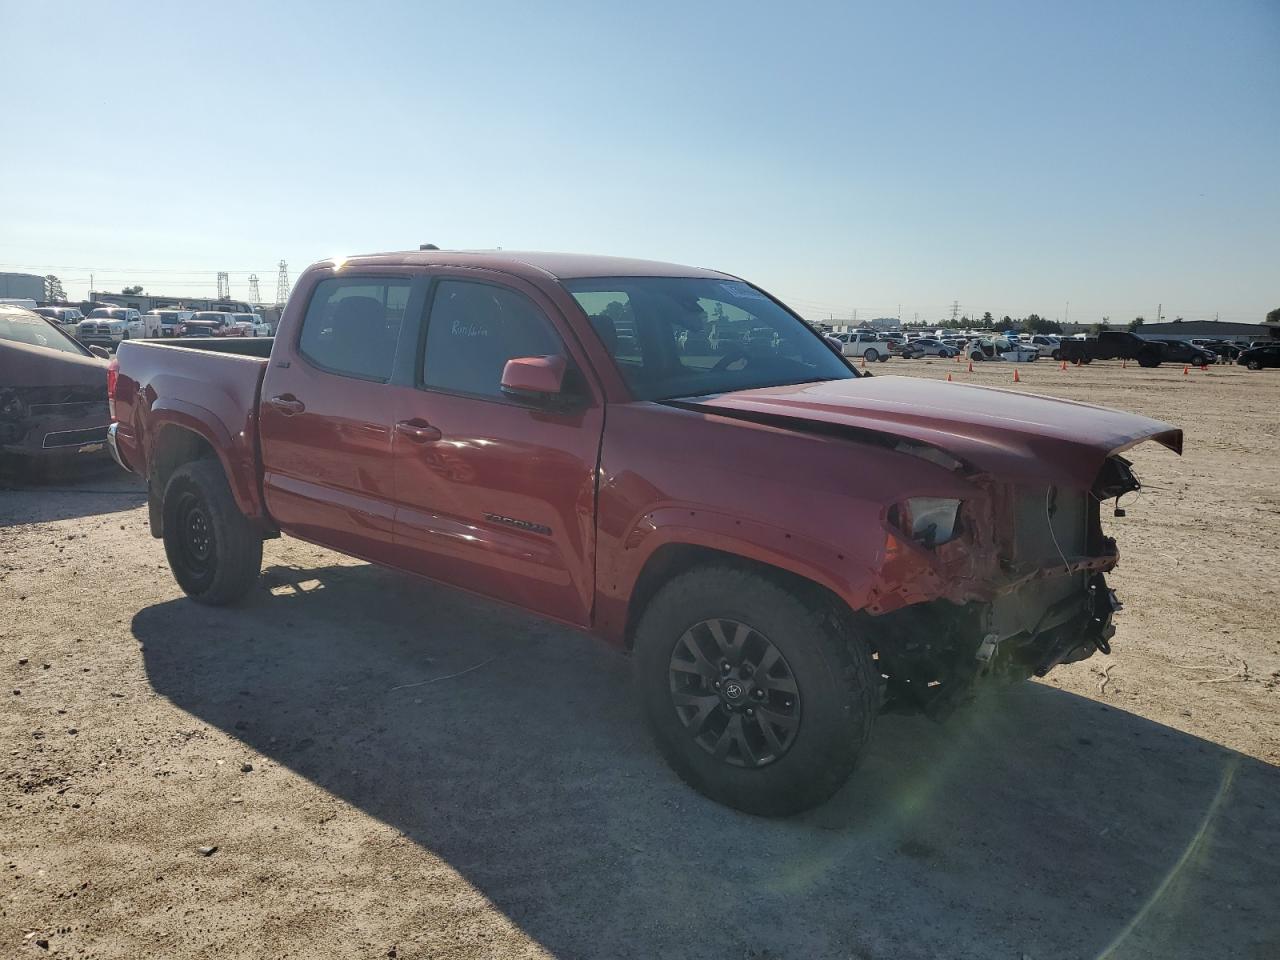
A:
{"x": 1012, "y": 156}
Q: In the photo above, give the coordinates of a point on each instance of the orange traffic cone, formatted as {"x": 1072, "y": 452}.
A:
{"x": 1064, "y": 365}
{"x": 971, "y": 366}
{"x": 1124, "y": 363}
{"x": 864, "y": 361}
{"x": 1204, "y": 367}
{"x": 949, "y": 378}
{"x": 1185, "y": 370}
{"x": 1016, "y": 378}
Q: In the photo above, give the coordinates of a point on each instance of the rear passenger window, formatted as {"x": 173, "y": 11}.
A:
{"x": 352, "y": 325}
{"x": 473, "y": 329}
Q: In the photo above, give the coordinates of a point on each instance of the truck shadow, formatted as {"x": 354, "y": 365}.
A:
{"x": 1038, "y": 823}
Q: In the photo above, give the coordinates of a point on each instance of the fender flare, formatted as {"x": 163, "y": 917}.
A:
{"x": 752, "y": 541}
{"x": 242, "y": 478}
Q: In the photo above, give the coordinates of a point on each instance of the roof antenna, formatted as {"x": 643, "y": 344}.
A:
{"x": 427, "y": 246}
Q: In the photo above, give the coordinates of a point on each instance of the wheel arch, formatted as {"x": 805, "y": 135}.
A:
{"x": 672, "y": 559}
{"x": 174, "y": 445}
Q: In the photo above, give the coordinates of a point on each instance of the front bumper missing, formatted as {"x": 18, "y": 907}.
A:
{"x": 936, "y": 656}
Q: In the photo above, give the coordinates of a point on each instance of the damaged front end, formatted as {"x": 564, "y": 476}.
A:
{"x": 1014, "y": 586}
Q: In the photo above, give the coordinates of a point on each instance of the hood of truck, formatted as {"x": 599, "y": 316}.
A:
{"x": 1006, "y": 433}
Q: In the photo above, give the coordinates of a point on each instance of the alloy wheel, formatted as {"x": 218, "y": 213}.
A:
{"x": 734, "y": 692}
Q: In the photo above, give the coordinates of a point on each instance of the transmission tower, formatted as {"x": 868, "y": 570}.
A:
{"x": 282, "y": 284}
{"x": 955, "y": 310}
{"x": 224, "y": 285}
{"x": 255, "y": 296}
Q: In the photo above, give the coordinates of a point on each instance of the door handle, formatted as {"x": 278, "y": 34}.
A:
{"x": 419, "y": 431}
{"x": 287, "y": 404}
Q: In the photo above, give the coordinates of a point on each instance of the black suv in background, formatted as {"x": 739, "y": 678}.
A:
{"x": 1255, "y": 358}
{"x": 1180, "y": 351}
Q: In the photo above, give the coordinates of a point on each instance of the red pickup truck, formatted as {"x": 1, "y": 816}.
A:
{"x": 786, "y": 546}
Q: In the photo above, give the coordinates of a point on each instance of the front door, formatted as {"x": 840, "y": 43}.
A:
{"x": 496, "y": 494}
{"x": 328, "y": 474}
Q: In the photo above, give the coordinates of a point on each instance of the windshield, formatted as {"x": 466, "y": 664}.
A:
{"x": 30, "y": 329}
{"x": 209, "y": 317}
{"x": 679, "y": 337}
{"x": 104, "y": 313}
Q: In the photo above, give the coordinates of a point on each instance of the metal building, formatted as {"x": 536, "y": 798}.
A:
{"x": 24, "y": 286}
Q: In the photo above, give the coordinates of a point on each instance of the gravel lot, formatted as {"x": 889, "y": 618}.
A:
{"x": 369, "y": 794}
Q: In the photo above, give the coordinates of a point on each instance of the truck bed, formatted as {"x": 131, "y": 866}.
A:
{"x": 241, "y": 346}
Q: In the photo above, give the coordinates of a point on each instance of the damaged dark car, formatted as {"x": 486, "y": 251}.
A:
{"x": 53, "y": 393}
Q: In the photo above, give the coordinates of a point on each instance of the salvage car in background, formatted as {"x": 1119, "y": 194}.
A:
{"x": 1001, "y": 348}
{"x": 1255, "y": 358}
{"x": 168, "y": 319}
{"x": 53, "y": 391}
{"x": 1047, "y": 344}
{"x": 67, "y": 318}
{"x": 1182, "y": 351}
{"x": 251, "y": 325}
{"x": 110, "y": 326}
{"x": 927, "y": 347}
{"x": 860, "y": 343}
{"x": 209, "y": 323}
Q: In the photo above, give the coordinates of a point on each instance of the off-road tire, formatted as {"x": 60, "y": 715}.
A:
{"x": 199, "y": 510}
{"x": 871, "y": 355}
{"x": 1148, "y": 359}
{"x": 835, "y": 676}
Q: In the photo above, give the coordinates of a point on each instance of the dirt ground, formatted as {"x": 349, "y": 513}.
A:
{"x": 369, "y": 794}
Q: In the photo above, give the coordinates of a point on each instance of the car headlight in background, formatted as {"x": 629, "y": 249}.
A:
{"x": 930, "y": 521}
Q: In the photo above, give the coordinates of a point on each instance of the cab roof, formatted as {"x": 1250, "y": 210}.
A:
{"x": 534, "y": 265}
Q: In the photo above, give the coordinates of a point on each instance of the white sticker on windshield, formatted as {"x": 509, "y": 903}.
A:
{"x": 743, "y": 291}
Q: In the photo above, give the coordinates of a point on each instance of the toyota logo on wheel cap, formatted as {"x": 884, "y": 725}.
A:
{"x": 733, "y": 690}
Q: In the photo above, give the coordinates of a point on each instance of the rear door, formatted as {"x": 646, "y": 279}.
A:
{"x": 493, "y": 493}
{"x": 328, "y": 474}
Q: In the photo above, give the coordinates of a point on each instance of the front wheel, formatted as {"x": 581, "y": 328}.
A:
{"x": 215, "y": 553}
{"x": 757, "y": 695}
{"x": 872, "y": 355}
{"x": 1253, "y": 365}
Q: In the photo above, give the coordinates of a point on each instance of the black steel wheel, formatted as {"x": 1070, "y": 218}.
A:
{"x": 755, "y": 688}
{"x": 194, "y": 536}
{"x": 734, "y": 692}
{"x": 215, "y": 553}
